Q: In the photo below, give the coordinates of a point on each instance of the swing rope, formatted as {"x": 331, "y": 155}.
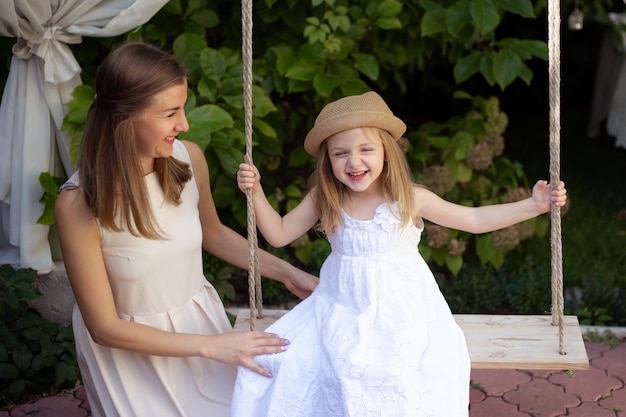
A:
{"x": 254, "y": 278}
{"x": 554, "y": 73}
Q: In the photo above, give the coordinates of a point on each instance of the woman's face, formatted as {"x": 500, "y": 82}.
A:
{"x": 159, "y": 124}
{"x": 357, "y": 158}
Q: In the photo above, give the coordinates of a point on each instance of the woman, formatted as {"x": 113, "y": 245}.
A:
{"x": 152, "y": 336}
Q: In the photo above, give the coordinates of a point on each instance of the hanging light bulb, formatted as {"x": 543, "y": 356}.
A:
{"x": 575, "y": 19}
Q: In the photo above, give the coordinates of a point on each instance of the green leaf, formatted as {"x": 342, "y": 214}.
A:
{"x": 17, "y": 387}
{"x": 485, "y": 15}
{"x": 454, "y": 263}
{"x": 286, "y": 57}
{"x": 174, "y": 7}
{"x": 523, "y": 8}
{"x": 206, "y": 18}
{"x": 298, "y": 157}
{"x": 389, "y": 23}
{"x": 439, "y": 255}
{"x": 83, "y": 96}
{"x": 458, "y": 17}
{"x": 389, "y": 8}
{"x": 459, "y": 169}
{"x": 230, "y": 160}
{"x": 213, "y": 64}
{"x": 461, "y": 143}
{"x": 498, "y": 259}
{"x": 292, "y": 203}
{"x": 484, "y": 248}
{"x": 526, "y": 75}
{"x": 467, "y": 66}
{"x": 438, "y": 141}
{"x": 486, "y": 69}
{"x": 187, "y": 48}
{"x": 297, "y": 86}
{"x": 303, "y": 253}
{"x": 264, "y": 128}
{"x": 527, "y": 48}
{"x": 22, "y": 357}
{"x": 77, "y": 116}
{"x": 8, "y": 371}
{"x": 50, "y": 186}
{"x": 302, "y": 71}
{"x": 209, "y": 118}
{"x": 462, "y": 95}
{"x": 261, "y": 103}
{"x": 195, "y": 6}
{"x": 224, "y": 191}
{"x": 293, "y": 192}
{"x": 433, "y": 22}
{"x": 271, "y": 146}
{"x": 506, "y": 67}
{"x": 324, "y": 84}
{"x": 425, "y": 251}
{"x": 40, "y": 363}
{"x": 367, "y": 64}
{"x": 207, "y": 88}
{"x": 353, "y": 86}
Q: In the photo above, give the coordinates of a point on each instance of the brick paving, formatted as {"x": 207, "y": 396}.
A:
{"x": 597, "y": 392}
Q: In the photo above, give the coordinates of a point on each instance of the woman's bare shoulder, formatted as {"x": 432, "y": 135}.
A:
{"x": 71, "y": 204}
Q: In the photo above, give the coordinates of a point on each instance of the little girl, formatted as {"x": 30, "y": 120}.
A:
{"x": 376, "y": 338}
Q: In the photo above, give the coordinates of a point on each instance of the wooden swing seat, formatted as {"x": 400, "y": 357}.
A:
{"x": 496, "y": 341}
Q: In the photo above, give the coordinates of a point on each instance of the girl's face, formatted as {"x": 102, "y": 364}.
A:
{"x": 158, "y": 125}
{"x": 357, "y": 158}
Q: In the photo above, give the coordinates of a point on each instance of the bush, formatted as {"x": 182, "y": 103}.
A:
{"x": 36, "y": 355}
{"x": 417, "y": 53}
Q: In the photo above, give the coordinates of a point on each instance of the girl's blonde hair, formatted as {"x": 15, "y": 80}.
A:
{"x": 328, "y": 192}
{"x": 111, "y": 176}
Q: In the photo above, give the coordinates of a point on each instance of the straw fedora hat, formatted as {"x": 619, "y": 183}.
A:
{"x": 365, "y": 110}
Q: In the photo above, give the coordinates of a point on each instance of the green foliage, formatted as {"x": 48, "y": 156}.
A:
{"x": 74, "y": 119}
{"x": 526, "y": 286}
{"x": 598, "y": 316}
{"x": 220, "y": 274}
{"x": 36, "y": 355}
{"x": 310, "y": 54}
{"x": 461, "y": 160}
{"x": 521, "y": 286}
{"x": 475, "y": 290}
{"x": 50, "y": 187}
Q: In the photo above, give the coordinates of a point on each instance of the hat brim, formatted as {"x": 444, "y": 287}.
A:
{"x": 353, "y": 120}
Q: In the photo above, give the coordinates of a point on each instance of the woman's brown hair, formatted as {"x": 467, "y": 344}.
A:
{"x": 328, "y": 192}
{"x": 111, "y": 175}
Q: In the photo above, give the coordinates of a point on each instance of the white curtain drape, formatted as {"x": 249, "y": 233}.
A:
{"x": 42, "y": 76}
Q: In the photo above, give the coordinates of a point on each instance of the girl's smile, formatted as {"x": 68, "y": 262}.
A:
{"x": 357, "y": 158}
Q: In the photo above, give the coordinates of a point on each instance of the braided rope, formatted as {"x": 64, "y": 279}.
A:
{"x": 554, "y": 72}
{"x": 254, "y": 279}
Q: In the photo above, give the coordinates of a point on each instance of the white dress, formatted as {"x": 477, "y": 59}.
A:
{"x": 159, "y": 283}
{"x": 376, "y": 337}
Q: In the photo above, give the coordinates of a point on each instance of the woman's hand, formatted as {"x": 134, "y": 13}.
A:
{"x": 240, "y": 348}
{"x": 248, "y": 177}
{"x": 543, "y": 197}
{"x": 301, "y": 283}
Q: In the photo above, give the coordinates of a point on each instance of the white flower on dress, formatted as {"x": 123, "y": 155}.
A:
{"x": 386, "y": 216}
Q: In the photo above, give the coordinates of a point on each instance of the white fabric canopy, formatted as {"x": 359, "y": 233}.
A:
{"x": 42, "y": 76}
